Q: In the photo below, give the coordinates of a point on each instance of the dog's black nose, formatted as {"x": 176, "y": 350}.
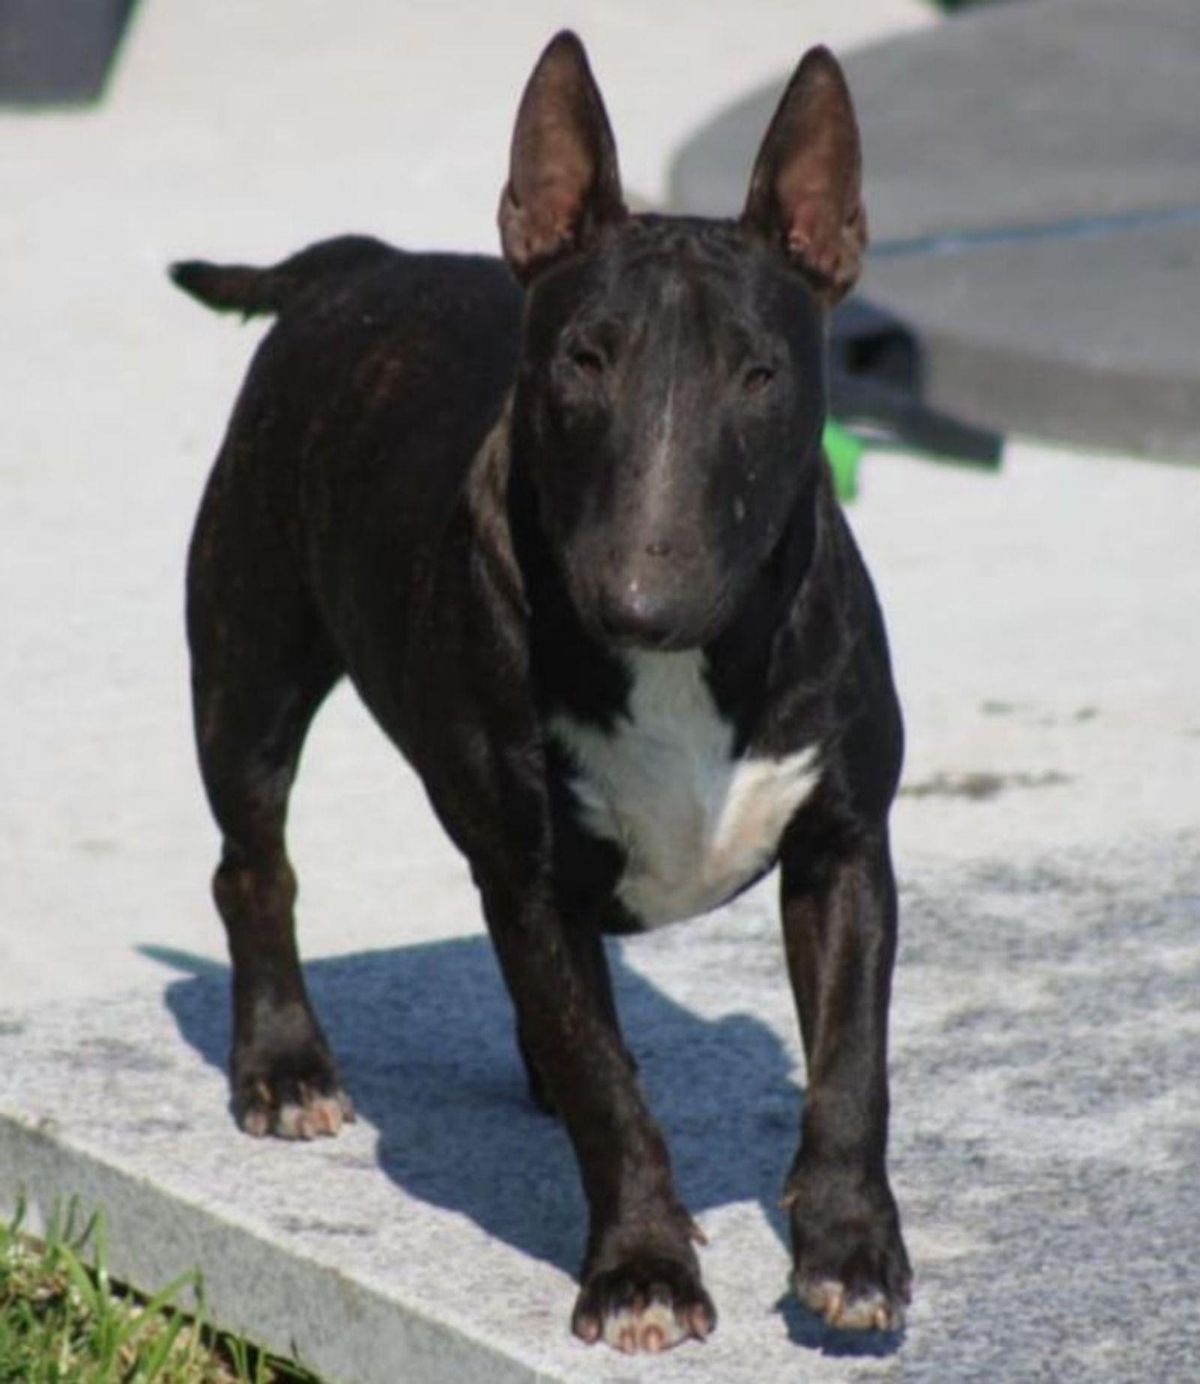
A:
{"x": 630, "y": 614}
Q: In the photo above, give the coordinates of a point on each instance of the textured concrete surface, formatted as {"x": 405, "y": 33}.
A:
{"x": 1034, "y": 200}
{"x": 1043, "y": 625}
{"x": 1094, "y": 340}
{"x": 1044, "y": 1142}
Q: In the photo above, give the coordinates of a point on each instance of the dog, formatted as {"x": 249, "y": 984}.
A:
{"x": 565, "y": 521}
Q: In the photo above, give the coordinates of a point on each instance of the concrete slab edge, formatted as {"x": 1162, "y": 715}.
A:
{"x": 1117, "y": 411}
{"x": 343, "y": 1329}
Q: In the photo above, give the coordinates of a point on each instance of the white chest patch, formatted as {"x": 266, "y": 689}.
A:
{"x": 695, "y": 823}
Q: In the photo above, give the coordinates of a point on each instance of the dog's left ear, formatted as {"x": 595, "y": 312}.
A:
{"x": 806, "y": 189}
{"x": 563, "y": 183}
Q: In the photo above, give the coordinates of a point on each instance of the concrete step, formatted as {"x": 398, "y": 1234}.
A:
{"x": 1044, "y": 1141}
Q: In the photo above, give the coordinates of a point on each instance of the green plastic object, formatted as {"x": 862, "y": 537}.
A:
{"x": 844, "y": 451}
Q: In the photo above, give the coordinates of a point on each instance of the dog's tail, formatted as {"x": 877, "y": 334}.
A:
{"x": 250, "y": 291}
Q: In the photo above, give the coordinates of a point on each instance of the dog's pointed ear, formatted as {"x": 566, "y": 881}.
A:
{"x": 806, "y": 189}
{"x": 563, "y": 183}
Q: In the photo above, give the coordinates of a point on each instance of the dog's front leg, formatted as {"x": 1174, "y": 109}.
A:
{"x": 839, "y": 922}
{"x": 640, "y": 1282}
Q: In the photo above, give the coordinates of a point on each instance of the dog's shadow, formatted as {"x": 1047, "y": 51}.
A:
{"x": 424, "y": 1039}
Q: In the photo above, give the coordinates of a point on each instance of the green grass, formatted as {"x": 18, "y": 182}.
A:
{"x": 63, "y": 1320}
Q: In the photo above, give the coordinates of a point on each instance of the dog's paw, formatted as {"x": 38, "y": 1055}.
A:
{"x": 298, "y": 1097}
{"x": 849, "y": 1309}
{"x": 850, "y": 1265}
{"x": 645, "y": 1304}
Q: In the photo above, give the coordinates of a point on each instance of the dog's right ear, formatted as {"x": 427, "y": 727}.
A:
{"x": 563, "y": 184}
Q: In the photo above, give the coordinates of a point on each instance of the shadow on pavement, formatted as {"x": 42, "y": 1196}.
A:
{"x": 424, "y": 1036}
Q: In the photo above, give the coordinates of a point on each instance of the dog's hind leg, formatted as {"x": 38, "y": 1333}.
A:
{"x": 261, "y": 666}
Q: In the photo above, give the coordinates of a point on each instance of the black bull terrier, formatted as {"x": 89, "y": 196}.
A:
{"x": 570, "y": 532}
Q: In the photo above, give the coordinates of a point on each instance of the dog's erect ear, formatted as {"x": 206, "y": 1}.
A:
{"x": 563, "y": 184}
{"x": 806, "y": 189}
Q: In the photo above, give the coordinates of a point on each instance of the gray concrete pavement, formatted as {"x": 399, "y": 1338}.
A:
{"x": 1044, "y": 1140}
{"x": 1046, "y": 1116}
{"x": 1033, "y": 193}
{"x": 1091, "y": 339}
{"x": 1025, "y": 114}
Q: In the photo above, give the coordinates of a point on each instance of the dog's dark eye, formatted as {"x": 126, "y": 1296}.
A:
{"x": 756, "y": 379}
{"x": 588, "y": 362}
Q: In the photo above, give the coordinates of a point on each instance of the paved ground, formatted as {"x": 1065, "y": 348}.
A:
{"x": 1044, "y": 1142}
{"x": 1034, "y": 200}
{"x": 1046, "y": 1036}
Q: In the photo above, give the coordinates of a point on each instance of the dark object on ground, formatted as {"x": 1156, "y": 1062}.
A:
{"x": 58, "y": 51}
{"x": 876, "y": 389}
{"x": 579, "y": 553}
{"x": 955, "y": 6}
